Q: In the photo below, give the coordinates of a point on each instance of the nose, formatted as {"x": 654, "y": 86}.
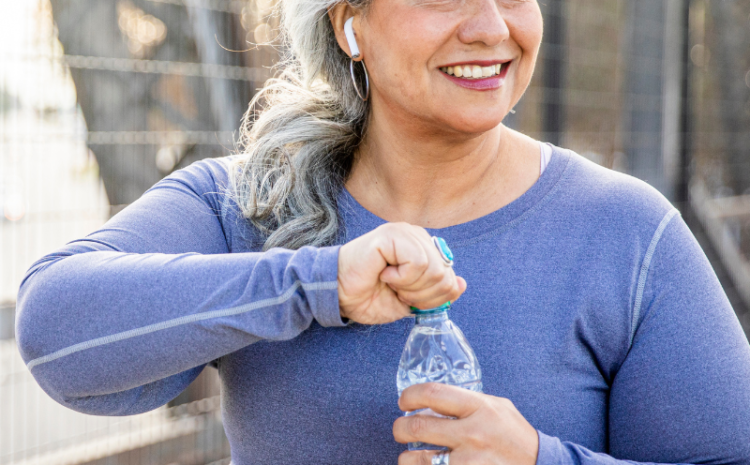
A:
{"x": 485, "y": 25}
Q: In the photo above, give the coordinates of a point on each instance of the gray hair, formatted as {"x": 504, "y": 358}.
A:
{"x": 300, "y": 133}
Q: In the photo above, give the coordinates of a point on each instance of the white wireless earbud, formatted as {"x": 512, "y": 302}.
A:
{"x": 354, "y": 49}
{"x": 350, "y": 37}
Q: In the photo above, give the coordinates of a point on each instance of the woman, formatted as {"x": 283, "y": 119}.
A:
{"x": 602, "y": 331}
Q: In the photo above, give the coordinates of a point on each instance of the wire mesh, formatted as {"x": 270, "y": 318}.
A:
{"x": 719, "y": 169}
{"x": 100, "y": 99}
{"x": 659, "y": 90}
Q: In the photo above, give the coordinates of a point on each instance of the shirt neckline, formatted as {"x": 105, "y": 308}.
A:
{"x": 476, "y": 230}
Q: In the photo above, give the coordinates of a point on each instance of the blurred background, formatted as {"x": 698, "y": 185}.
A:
{"x": 99, "y": 99}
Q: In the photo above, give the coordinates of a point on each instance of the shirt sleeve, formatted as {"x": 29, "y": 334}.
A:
{"x": 120, "y": 322}
{"x": 682, "y": 394}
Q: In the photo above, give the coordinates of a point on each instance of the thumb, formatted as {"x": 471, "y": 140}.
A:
{"x": 397, "y": 275}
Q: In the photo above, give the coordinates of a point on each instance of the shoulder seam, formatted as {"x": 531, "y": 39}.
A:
{"x": 646, "y": 264}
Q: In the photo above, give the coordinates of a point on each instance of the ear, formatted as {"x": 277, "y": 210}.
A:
{"x": 339, "y": 14}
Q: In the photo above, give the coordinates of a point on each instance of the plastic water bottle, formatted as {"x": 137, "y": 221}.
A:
{"x": 437, "y": 352}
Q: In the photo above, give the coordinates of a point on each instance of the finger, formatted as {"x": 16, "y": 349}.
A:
{"x": 442, "y": 398}
{"x": 447, "y": 290}
{"x": 456, "y": 457}
{"x": 428, "y": 240}
{"x": 407, "y": 257}
{"x": 389, "y": 308}
{"x": 434, "y": 272}
{"x": 429, "y": 429}
{"x": 400, "y": 308}
{"x": 437, "y": 274}
{"x": 418, "y": 457}
{"x": 436, "y": 281}
{"x": 415, "y": 269}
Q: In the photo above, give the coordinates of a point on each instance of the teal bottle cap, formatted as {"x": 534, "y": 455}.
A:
{"x": 446, "y": 306}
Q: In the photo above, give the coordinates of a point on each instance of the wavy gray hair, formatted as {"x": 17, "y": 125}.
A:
{"x": 299, "y": 136}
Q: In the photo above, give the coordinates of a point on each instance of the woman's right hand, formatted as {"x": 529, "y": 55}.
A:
{"x": 387, "y": 270}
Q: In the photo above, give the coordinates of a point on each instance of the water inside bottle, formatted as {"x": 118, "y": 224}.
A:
{"x": 437, "y": 352}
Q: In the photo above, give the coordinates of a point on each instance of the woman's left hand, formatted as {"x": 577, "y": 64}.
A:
{"x": 487, "y": 429}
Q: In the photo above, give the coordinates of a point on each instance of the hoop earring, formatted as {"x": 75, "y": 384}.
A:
{"x": 354, "y": 81}
{"x": 354, "y": 49}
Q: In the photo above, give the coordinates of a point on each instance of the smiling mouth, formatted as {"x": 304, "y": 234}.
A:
{"x": 475, "y": 71}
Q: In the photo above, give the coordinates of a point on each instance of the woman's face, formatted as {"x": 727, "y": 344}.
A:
{"x": 411, "y": 46}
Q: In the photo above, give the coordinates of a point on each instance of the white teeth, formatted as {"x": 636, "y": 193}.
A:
{"x": 473, "y": 71}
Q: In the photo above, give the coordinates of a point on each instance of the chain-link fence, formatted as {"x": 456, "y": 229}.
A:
{"x": 660, "y": 90}
{"x": 99, "y": 99}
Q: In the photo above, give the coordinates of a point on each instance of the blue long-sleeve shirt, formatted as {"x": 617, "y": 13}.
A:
{"x": 589, "y": 305}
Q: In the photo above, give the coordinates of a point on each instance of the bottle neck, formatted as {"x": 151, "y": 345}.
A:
{"x": 431, "y": 311}
{"x": 431, "y": 318}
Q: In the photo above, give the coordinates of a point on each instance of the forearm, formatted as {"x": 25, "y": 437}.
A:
{"x": 129, "y": 402}
{"x": 100, "y": 323}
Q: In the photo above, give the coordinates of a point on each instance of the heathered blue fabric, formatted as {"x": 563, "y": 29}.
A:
{"x": 590, "y": 306}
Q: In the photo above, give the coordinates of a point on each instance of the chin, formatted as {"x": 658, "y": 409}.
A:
{"x": 470, "y": 124}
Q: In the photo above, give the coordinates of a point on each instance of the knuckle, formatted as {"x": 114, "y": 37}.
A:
{"x": 476, "y": 436}
{"x": 425, "y": 458}
{"x": 406, "y": 297}
{"x": 433, "y": 277}
{"x": 393, "y": 228}
{"x": 419, "y": 230}
{"x": 419, "y": 266}
{"x": 417, "y": 425}
{"x": 479, "y": 457}
{"x": 446, "y": 287}
{"x": 507, "y": 404}
{"x": 386, "y": 228}
{"x": 433, "y": 390}
{"x": 501, "y": 407}
{"x": 421, "y": 262}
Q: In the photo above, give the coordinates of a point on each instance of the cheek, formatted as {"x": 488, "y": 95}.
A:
{"x": 529, "y": 33}
{"x": 403, "y": 42}
{"x": 391, "y": 70}
{"x": 529, "y": 39}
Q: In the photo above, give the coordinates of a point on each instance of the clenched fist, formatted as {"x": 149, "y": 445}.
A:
{"x": 387, "y": 270}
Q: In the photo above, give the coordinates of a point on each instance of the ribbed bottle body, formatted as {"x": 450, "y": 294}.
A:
{"x": 437, "y": 352}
